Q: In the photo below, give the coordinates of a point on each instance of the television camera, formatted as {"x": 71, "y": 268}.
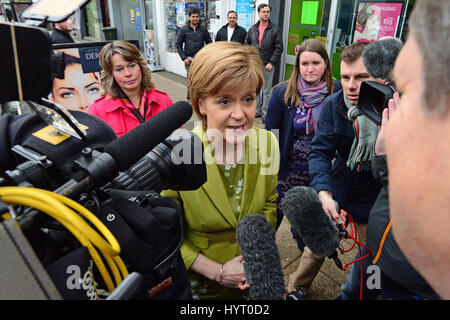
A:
{"x": 76, "y": 203}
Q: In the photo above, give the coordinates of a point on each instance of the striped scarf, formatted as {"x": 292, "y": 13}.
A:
{"x": 366, "y": 133}
{"x": 311, "y": 100}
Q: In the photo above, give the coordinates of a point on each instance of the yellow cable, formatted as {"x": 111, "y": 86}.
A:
{"x": 41, "y": 206}
{"x": 70, "y": 216}
{"x": 91, "y": 217}
{"x": 57, "y": 206}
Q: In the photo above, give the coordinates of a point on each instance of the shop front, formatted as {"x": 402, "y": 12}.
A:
{"x": 338, "y": 23}
{"x": 176, "y": 14}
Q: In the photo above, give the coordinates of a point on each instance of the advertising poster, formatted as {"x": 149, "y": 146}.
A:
{"x": 81, "y": 84}
{"x": 181, "y": 14}
{"x": 244, "y": 12}
{"x": 149, "y": 45}
{"x": 376, "y": 20}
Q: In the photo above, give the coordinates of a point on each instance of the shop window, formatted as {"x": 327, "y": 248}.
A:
{"x": 104, "y": 6}
{"x": 368, "y": 20}
{"x": 177, "y": 14}
{"x": 92, "y": 23}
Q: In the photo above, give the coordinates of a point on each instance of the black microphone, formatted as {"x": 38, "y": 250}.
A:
{"x": 132, "y": 146}
{"x": 304, "y": 211}
{"x": 262, "y": 265}
{"x": 122, "y": 153}
{"x": 379, "y": 57}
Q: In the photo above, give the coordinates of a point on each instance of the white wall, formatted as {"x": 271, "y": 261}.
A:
{"x": 175, "y": 64}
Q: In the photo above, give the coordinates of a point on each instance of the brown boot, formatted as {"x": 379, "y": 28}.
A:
{"x": 307, "y": 270}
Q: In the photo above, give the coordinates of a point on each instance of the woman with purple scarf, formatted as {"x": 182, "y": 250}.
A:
{"x": 294, "y": 110}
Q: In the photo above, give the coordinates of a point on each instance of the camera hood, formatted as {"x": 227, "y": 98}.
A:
{"x": 373, "y": 98}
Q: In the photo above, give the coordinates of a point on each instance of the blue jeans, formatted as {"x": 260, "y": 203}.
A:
{"x": 350, "y": 290}
{"x": 391, "y": 290}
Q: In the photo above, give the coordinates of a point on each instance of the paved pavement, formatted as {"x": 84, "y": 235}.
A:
{"x": 327, "y": 284}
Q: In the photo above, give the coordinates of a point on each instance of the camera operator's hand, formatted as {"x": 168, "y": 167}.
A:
{"x": 380, "y": 148}
{"x": 329, "y": 205}
{"x": 233, "y": 275}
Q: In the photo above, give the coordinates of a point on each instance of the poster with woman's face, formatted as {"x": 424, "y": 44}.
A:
{"x": 80, "y": 86}
{"x": 376, "y": 20}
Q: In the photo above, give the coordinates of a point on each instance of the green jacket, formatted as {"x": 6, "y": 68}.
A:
{"x": 209, "y": 222}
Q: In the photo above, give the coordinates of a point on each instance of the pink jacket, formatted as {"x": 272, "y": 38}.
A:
{"x": 119, "y": 117}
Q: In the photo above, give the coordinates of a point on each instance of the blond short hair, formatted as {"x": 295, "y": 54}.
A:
{"x": 223, "y": 65}
{"x": 130, "y": 53}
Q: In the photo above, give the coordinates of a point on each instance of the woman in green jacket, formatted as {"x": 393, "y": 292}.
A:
{"x": 242, "y": 167}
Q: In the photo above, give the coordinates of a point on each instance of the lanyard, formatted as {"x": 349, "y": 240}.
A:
{"x": 137, "y": 114}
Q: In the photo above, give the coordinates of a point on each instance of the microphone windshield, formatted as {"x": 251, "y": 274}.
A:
{"x": 262, "y": 265}
{"x": 132, "y": 146}
{"x": 304, "y": 211}
{"x": 379, "y": 57}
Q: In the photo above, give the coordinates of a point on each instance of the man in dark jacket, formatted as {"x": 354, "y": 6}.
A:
{"x": 417, "y": 146}
{"x": 338, "y": 185}
{"x": 191, "y": 38}
{"x": 61, "y": 32}
{"x": 231, "y": 31}
{"x": 266, "y": 37}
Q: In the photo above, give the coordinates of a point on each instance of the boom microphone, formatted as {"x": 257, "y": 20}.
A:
{"x": 131, "y": 147}
{"x": 262, "y": 265}
{"x": 122, "y": 153}
{"x": 379, "y": 57}
{"x": 303, "y": 209}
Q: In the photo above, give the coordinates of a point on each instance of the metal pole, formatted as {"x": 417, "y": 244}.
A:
{"x": 332, "y": 26}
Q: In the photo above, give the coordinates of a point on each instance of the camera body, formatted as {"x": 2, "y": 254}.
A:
{"x": 373, "y": 99}
{"x": 73, "y": 163}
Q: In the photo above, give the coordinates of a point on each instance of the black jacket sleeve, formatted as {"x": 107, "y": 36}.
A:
{"x": 379, "y": 169}
{"x": 278, "y": 49}
{"x": 179, "y": 44}
{"x": 207, "y": 36}
{"x": 241, "y": 34}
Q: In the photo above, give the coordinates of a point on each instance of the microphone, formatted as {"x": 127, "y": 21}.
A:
{"x": 262, "y": 265}
{"x": 132, "y": 146}
{"x": 379, "y": 57}
{"x": 122, "y": 153}
{"x": 304, "y": 211}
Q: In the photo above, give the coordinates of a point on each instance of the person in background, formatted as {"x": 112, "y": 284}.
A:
{"x": 231, "y": 31}
{"x": 266, "y": 37}
{"x": 78, "y": 90}
{"x": 294, "y": 110}
{"x": 129, "y": 96}
{"x": 192, "y": 37}
{"x": 340, "y": 156}
{"x": 61, "y": 31}
{"x": 242, "y": 166}
{"x": 417, "y": 146}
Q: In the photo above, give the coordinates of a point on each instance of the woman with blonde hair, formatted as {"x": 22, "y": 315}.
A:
{"x": 242, "y": 166}
{"x": 129, "y": 96}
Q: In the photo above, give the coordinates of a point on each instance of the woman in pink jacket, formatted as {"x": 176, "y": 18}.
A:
{"x": 129, "y": 96}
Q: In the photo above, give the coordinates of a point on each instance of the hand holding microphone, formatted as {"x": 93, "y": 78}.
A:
{"x": 330, "y": 207}
{"x": 232, "y": 274}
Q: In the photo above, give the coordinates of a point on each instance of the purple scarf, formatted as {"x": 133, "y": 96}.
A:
{"x": 311, "y": 100}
